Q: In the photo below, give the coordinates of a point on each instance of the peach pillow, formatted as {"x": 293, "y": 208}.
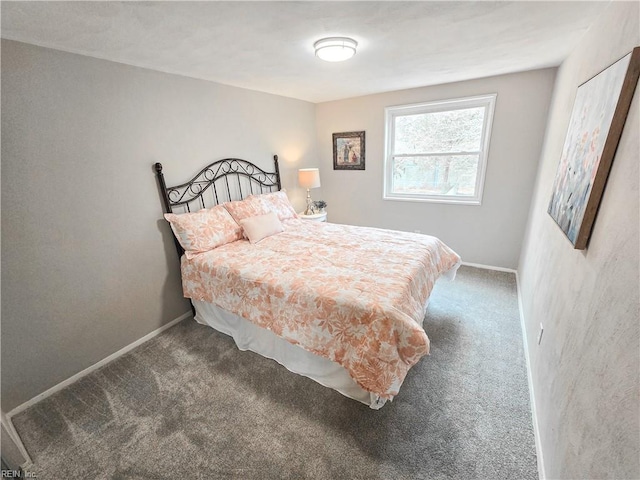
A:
{"x": 279, "y": 202}
{"x": 261, "y": 226}
{"x": 254, "y": 205}
{"x": 204, "y": 230}
{"x": 249, "y": 207}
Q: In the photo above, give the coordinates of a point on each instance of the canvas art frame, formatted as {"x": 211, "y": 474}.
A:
{"x": 597, "y": 120}
{"x": 348, "y": 151}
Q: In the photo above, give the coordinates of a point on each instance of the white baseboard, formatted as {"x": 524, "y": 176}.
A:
{"x": 86, "y": 371}
{"x": 489, "y": 267}
{"x": 16, "y": 440}
{"x": 532, "y": 397}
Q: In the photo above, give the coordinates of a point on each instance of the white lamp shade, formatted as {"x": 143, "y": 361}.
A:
{"x": 335, "y": 49}
{"x": 309, "y": 177}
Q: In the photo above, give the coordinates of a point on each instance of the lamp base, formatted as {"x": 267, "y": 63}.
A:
{"x": 308, "y": 210}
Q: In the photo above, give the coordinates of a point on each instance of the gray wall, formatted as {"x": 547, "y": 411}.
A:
{"x": 586, "y": 370}
{"x": 489, "y": 234}
{"x": 88, "y": 264}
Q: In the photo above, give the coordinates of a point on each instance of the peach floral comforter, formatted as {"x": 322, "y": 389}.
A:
{"x": 354, "y": 295}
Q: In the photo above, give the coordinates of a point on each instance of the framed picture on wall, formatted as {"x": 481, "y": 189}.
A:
{"x": 348, "y": 151}
{"x": 599, "y": 113}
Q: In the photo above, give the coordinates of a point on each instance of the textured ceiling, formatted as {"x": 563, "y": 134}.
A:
{"x": 267, "y": 46}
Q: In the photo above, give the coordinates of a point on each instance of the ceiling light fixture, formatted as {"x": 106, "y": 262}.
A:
{"x": 335, "y": 49}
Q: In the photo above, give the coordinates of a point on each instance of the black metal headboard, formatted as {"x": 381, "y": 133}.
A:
{"x": 222, "y": 181}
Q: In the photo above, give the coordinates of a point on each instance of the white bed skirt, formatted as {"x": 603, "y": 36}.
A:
{"x": 249, "y": 336}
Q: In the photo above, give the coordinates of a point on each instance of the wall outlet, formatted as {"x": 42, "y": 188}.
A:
{"x": 540, "y": 334}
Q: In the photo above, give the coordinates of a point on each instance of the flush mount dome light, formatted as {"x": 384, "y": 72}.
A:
{"x": 335, "y": 49}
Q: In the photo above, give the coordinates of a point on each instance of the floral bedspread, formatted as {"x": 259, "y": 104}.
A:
{"x": 354, "y": 295}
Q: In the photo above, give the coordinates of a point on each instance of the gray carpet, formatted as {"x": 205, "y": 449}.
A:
{"x": 188, "y": 404}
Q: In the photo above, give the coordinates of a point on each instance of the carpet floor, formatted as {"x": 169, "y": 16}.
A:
{"x": 189, "y": 404}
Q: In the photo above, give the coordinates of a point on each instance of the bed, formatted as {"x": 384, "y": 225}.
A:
{"x": 340, "y": 304}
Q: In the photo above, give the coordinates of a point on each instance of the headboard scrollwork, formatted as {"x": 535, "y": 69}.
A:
{"x": 222, "y": 181}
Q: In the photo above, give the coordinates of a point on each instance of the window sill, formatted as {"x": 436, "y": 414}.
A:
{"x": 451, "y": 201}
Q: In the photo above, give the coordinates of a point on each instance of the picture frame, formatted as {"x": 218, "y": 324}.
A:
{"x": 597, "y": 119}
{"x": 348, "y": 151}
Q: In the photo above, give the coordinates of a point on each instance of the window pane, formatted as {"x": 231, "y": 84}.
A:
{"x": 443, "y": 175}
{"x": 439, "y": 132}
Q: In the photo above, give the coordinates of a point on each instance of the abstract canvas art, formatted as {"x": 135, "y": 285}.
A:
{"x": 599, "y": 112}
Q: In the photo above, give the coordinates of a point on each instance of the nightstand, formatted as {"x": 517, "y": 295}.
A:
{"x": 314, "y": 217}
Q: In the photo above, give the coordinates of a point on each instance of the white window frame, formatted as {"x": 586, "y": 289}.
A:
{"x": 391, "y": 113}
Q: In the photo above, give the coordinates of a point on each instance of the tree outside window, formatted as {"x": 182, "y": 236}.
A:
{"x": 437, "y": 151}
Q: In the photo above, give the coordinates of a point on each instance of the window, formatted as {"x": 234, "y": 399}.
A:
{"x": 437, "y": 151}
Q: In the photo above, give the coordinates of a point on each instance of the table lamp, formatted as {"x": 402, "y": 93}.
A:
{"x": 309, "y": 178}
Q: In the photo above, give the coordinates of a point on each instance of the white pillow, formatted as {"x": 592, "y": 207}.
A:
{"x": 261, "y": 226}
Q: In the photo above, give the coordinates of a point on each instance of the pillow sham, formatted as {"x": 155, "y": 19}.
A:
{"x": 249, "y": 207}
{"x": 261, "y": 226}
{"x": 279, "y": 202}
{"x": 254, "y": 205}
{"x": 204, "y": 230}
